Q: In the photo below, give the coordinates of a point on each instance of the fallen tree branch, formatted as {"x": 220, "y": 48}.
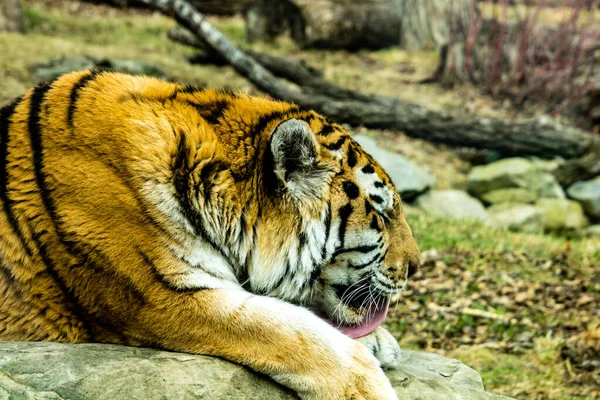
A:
{"x": 541, "y": 137}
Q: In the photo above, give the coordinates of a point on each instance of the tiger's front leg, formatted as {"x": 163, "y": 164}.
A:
{"x": 286, "y": 342}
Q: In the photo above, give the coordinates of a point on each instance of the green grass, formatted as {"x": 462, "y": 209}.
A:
{"x": 518, "y": 352}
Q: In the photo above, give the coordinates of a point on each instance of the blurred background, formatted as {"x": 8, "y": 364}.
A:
{"x": 485, "y": 113}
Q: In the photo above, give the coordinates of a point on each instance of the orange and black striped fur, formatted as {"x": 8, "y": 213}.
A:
{"x": 142, "y": 212}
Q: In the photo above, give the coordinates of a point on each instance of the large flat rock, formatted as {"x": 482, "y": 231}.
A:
{"x": 453, "y": 204}
{"x": 409, "y": 179}
{"x": 47, "y": 371}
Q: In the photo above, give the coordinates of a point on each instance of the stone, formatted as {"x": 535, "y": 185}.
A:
{"x": 409, "y": 179}
{"x": 518, "y": 217}
{"x": 510, "y": 195}
{"x": 592, "y": 231}
{"x": 454, "y": 204}
{"x": 513, "y": 173}
{"x": 562, "y": 214}
{"x": 548, "y": 165}
{"x": 56, "y": 67}
{"x": 39, "y": 370}
{"x": 588, "y": 194}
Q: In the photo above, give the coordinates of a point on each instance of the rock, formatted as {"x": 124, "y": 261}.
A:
{"x": 548, "y": 165}
{"x": 56, "y": 67}
{"x": 409, "y": 179}
{"x": 592, "y": 231}
{"x": 518, "y": 217}
{"x": 513, "y": 173}
{"x": 588, "y": 194}
{"x": 511, "y": 195}
{"x": 562, "y": 214}
{"x": 97, "y": 372}
{"x": 453, "y": 203}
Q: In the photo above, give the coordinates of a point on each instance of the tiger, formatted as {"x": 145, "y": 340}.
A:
{"x": 141, "y": 212}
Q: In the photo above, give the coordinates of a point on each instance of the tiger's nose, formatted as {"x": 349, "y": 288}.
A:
{"x": 400, "y": 272}
{"x": 413, "y": 268}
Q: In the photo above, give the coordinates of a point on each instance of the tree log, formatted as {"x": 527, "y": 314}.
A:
{"x": 208, "y": 7}
{"x": 11, "y": 16}
{"x": 541, "y": 137}
{"x": 428, "y": 24}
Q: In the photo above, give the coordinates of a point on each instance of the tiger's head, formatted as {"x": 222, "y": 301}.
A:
{"x": 331, "y": 234}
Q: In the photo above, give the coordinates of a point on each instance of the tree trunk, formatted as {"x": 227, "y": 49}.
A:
{"x": 222, "y": 7}
{"x": 428, "y": 24}
{"x": 11, "y": 16}
{"x": 341, "y": 24}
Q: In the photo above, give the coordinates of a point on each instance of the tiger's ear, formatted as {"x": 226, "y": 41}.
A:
{"x": 294, "y": 149}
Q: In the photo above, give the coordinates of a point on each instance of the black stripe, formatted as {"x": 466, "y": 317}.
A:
{"x": 358, "y": 249}
{"x": 182, "y": 189}
{"x": 286, "y": 274}
{"x": 383, "y": 256}
{"x": 209, "y": 172}
{"x": 316, "y": 272}
{"x": 364, "y": 265}
{"x": 183, "y": 154}
{"x": 189, "y": 89}
{"x": 159, "y": 277}
{"x": 36, "y": 145}
{"x": 344, "y": 213}
{"x": 375, "y": 223}
{"x": 91, "y": 257}
{"x": 37, "y": 99}
{"x": 211, "y": 112}
{"x": 337, "y": 145}
{"x": 368, "y": 169}
{"x": 326, "y": 130}
{"x": 377, "y": 199}
{"x": 352, "y": 158}
{"x": 5, "y": 116}
{"x": 75, "y": 94}
{"x": 264, "y": 120}
{"x": 351, "y": 189}
{"x": 327, "y": 232}
{"x": 368, "y": 207}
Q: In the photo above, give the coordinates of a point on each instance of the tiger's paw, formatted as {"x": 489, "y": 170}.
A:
{"x": 384, "y": 347}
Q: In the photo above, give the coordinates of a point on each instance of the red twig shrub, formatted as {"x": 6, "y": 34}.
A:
{"x": 522, "y": 59}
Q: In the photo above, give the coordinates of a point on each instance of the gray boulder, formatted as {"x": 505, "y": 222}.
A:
{"x": 56, "y": 67}
{"x": 588, "y": 194}
{"x": 510, "y": 195}
{"x": 110, "y": 372}
{"x": 408, "y": 178}
{"x": 454, "y": 204}
{"x": 562, "y": 214}
{"x": 518, "y": 217}
{"x": 592, "y": 231}
{"x": 513, "y": 173}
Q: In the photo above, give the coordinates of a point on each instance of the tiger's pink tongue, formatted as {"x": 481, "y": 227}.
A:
{"x": 376, "y": 314}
